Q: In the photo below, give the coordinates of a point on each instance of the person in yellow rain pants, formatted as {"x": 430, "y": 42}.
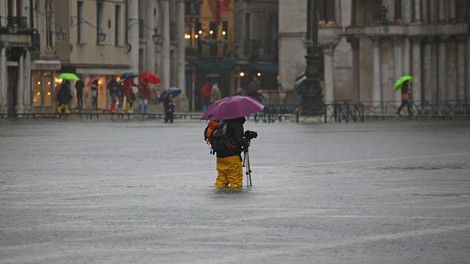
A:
{"x": 229, "y": 161}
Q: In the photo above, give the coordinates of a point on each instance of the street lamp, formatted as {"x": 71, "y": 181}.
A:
{"x": 101, "y": 35}
{"x": 60, "y": 35}
{"x": 311, "y": 92}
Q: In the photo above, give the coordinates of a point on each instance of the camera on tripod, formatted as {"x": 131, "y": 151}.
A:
{"x": 249, "y": 135}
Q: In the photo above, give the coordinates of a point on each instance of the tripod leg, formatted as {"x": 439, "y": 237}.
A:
{"x": 248, "y": 169}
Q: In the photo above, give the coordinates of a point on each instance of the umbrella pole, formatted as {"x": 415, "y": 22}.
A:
{"x": 246, "y": 164}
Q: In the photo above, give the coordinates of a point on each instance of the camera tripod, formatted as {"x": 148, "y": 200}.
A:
{"x": 246, "y": 164}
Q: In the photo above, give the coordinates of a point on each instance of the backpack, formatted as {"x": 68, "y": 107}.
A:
{"x": 214, "y": 135}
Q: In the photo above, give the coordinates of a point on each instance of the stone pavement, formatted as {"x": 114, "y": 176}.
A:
{"x": 88, "y": 191}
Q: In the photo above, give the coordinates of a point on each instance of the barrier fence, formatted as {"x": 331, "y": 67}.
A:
{"x": 337, "y": 111}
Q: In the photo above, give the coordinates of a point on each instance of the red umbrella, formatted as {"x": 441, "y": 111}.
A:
{"x": 151, "y": 78}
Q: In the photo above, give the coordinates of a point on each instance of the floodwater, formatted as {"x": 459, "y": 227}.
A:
{"x": 97, "y": 191}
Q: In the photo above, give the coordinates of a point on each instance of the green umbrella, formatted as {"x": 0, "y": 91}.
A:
{"x": 399, "y": 83}
{"x": 68, "y": 76}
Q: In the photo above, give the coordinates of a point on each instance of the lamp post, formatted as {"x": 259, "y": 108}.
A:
{"x": 312, "y": 103}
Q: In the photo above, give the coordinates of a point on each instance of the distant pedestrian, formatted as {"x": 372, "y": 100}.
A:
{"x": 113, "y": 87}
{"x": 129, "y": 94}
{"x": 205, "y": 96}
{"x": 64, "y": 97}
{"x": 94, "y": 94}
{"x": 79, "y": 85}
{"x": 405, "y": 99}
{"x": 169, "y": 106}
{"x": 144, "y": 96}
{"x": 215, "y": 93}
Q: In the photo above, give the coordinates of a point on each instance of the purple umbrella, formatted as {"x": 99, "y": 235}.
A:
{"x": 232, "y": 107}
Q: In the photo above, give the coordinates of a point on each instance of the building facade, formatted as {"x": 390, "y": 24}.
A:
{"x": 40, "y": 39}
{"x": 367, "y": 45}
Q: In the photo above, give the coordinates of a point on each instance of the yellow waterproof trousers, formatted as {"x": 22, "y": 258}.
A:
{"x": 230, "y": 172}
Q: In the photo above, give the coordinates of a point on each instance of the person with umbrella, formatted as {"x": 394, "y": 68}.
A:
{"x": 64, "y": 97}
{"x": 114, "y": 88}
{"x": 169, "y": 107}
{"x": 229, "y": 160}
{"x": 405, "y": 98}
{"x": 144, "y": 95}
{"x": 129, "y": 94}
{"x": 232, "y": 111}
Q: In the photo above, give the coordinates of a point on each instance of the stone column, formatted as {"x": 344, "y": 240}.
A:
{"x": 19, "y": 86}
{"x": 452, "y": 11}
{"x": 133, "y": 34}
{"x": 377, "y": 75}
{"x": 180, "y": 65}
{"x": 406, "y": 11}
{"x": 461, "y": 68}
{"x": 417, "y": 10}
{"x": 416, "y": 65}
{"x": 467, "y": 71}
{"x": 451, "y": 76}
{"x": 150, "y": 21}
{"x": 442, "y": 10}
{"x": 27, "y": 85}
{"x": 398, "y": 64}
{"x": 424, "y": 10}
{"x": 165, "y": 63}
{"x": 354, "y": 41}
{"x": 442, "y": 68}
{"x": 328, "y": 51}
{"x": 427, "y": 71}
{"x": 3, "y": 80}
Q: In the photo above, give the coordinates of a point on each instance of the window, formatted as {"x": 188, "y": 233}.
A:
{"x": 49, "y": 25}
{"x": 99, "y": 21}
{"x": 79, "y": 22}
{"x": 117, "y": 26}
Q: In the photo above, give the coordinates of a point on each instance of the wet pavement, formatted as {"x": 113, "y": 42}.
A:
{"x": 394, "y": 191}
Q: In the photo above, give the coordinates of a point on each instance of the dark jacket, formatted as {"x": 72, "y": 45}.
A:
{"x": 235, "y": 137}
{"x": 64, "y": 96}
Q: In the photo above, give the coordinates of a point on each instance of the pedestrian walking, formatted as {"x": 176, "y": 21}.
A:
{"x": 144, "y": 95}
{"x": 205, "y": 96}
{"x": 113, "y": 87}
{"x": 405, "y": 99}
{"x": 79, "y": 85}
{"x": 215, "y": 93}
{"x": 169, "y": 106}
{"x": 64, "y": 97}
{"x": 129, "y": 94}
{"x": 94, "y": 94}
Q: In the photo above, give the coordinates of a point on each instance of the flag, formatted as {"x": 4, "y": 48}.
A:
{"x": 214, "y": 6}
{"x": 224, "y": 7}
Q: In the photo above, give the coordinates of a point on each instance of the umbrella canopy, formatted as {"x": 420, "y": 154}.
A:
{"x": 128, "y": 75}
{"x": 151, "y": 78}
{"x": 68, "y": 76}
{"x": 173, "y": 91}
{"x": 232, "y": 107}
{"x": 399, "y": 83}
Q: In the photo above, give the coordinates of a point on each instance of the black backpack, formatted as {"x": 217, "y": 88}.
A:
{"x": 215, "y": 136}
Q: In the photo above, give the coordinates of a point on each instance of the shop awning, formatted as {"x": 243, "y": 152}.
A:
{"x": 213, "y": 65}
{"x": 46, "y": 65}
{"x": 266, "y": 67}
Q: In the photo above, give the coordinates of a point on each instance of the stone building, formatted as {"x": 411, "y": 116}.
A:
{"x": 95, "y": 39}
{"x": 368, "y": 44}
